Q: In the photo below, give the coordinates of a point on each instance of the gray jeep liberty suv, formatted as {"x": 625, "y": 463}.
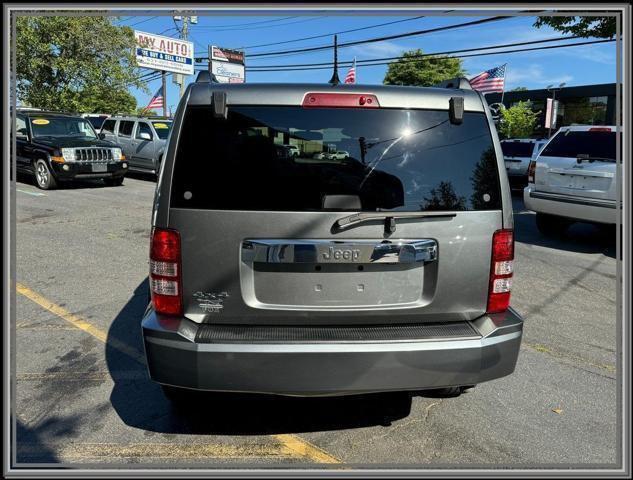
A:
{"x": 389, "y": 269}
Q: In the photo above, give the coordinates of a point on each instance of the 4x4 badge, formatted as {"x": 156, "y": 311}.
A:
{"x": 211, "y": 302}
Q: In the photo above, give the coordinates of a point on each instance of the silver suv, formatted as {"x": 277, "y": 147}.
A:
{"x": 387, "y": 269}
{"x": 142, "y": 139}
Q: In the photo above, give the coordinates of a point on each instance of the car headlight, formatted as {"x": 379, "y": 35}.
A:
{"x": 68, "y": 154}
{"x": 117, "y": 154}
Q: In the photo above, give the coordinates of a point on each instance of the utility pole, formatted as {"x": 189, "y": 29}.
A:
{"x": 184, "y": 35}
{"x": 164, "y": 78}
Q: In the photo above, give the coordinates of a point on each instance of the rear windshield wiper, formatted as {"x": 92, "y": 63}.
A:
{"x": 389, "y": 218}
{"x": 582, "y": 158}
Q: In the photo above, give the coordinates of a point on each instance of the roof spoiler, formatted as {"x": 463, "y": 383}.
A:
{"x": 205, "y": 76}
{"x": 457, "y": 82}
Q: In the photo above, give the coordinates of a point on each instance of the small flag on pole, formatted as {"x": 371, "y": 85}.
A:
{"x": 351, "y": 74}
{"x": 157, "y": 100}
{"x": 489, "y": 81}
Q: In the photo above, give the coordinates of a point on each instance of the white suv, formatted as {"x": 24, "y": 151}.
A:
{"x": 574, "y": 178}
{"x": 517, "y": 154}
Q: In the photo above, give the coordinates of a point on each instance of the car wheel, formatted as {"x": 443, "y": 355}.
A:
{"x": 552, "y": 225}
{"x": 113, "y": 182}
{"x": 44, "y": 179}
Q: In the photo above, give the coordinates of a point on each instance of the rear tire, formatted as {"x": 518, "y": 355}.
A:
{"x": 113, "y": 182}
{"x": 44, "y": 178}
{"x": 552, "y": 225}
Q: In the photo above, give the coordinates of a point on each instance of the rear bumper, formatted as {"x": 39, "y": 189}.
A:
{"x": 578, "y": 208}
{"x": 327, "y": 367}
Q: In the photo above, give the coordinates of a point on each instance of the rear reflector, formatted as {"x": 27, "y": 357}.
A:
{"x": 340, "y": 100}
{"x": 599, "y": 129}
{"x": 165, "y": 272}
{"x": 501, "y": 270}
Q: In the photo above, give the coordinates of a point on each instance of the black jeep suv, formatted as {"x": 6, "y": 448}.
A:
{"x": 56, "y": 147}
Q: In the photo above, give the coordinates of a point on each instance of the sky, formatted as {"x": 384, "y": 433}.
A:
{"x": 582, "y": 65}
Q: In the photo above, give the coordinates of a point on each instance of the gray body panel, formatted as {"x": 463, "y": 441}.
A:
{"x": 332, "y": 368}
{"x": 221, "y": 287}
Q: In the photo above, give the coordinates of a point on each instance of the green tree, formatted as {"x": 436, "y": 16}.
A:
{"x": 601, "y": 27}
{"x": 412, "y": 69}
{"x": 145, "y": 111}
{"x": 518, "y": 121}
{"x": 443, "y": 197}
{"x": 76, "y": 64}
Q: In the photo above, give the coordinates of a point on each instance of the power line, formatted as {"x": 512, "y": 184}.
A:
{"x": 142, "y": 21}
{"x": 269, "y": 26}
{"x": 406, "y": 60}
{"x": 250, "y": 23}
{"x": 361, "y": 62}
{"x": 384, "y": 38}
{"x": 334, "y": 33}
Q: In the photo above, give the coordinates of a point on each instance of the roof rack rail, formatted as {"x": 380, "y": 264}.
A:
{"x": 457, "y": 82}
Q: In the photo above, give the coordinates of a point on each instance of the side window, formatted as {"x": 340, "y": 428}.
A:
{"x": 125, "y": 128}
{"x": 20, "y": 125}
{"x": 143, "y": 128}
{"x": 108, "y": 126}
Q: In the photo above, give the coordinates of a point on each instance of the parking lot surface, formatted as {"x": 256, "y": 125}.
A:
{"x": 83, "y": 394}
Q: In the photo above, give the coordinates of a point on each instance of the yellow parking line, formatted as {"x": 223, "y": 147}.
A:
{"x": 157, "y": 450}
{"x": 306, "y": 449}
{"x": 79, "y": 322}
{"x": 291, "y": 443}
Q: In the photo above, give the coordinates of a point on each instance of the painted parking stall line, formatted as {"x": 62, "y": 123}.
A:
{"x": 35, "y": 194}
{"x": 288, "y": 445}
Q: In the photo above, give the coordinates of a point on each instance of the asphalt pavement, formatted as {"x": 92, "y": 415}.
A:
{"x": 84, "y": 397}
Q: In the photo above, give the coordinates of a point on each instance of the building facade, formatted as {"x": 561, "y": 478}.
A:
{"x": 584, "y": 104}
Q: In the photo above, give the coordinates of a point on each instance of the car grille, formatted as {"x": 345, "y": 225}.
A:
{"x": 93, "y": 155}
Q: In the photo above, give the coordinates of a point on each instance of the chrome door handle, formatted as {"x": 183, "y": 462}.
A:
{"x": 330, "y": 251}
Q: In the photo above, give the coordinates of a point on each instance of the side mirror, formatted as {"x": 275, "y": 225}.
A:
{"x": 145, "y": 136}
{"x": 101, "y": 136}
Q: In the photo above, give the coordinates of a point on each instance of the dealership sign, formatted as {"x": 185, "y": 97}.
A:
{"x": 164, "y": 53}
{"x": 227, "y": 65}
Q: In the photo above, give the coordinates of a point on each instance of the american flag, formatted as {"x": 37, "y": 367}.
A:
{"x": 489, "y": 81}
{"x": 157, "y": 100}
{"x": 351, "y": 74}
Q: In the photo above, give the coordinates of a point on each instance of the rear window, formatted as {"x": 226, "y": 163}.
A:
{"x": 571, "y": 144}
{"x": 517, "y": 149}
{"x": 403, "y": 160}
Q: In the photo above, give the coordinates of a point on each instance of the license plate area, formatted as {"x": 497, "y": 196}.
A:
{"x": 328, "y": 275}
{"x": 99, "y": 167}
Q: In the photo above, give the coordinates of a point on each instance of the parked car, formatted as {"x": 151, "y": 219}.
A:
{"x": 574, "y": 178}
{"x": 517, "y": 154}
{"x": 54, "y": 147}
{"x": 328, "y": 278}
{"x": 339, "y": 155}
{"x": 143, "y": 140}
{"x": 96, "y": 119}
{"x": 294, "y": 150}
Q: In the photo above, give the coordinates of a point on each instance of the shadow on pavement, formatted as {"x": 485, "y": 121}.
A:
{"x": 74, "y": 185}
{"x": 140, "y": 402}
{"x": 30, "y": 448}
{"x": 579, "y": 237}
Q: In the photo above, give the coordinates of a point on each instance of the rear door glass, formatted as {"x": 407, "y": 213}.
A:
{"x": 517, "y": 149}
{"x": 402, "y": 160}
{"x": 125, "y": 128}
{"x": 596, "y": 144}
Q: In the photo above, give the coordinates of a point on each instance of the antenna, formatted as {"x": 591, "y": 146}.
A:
{"x": 335, "y": 80}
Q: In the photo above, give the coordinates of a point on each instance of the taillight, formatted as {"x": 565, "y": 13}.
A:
{"x": 340, "y": 100}
{"x": 531, "y": 171}
{"x": 165, "y": 276}
{"x": 501, "y": 269}
{"x": 599, "y": 129}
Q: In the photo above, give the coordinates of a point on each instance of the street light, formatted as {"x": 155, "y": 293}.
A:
{"x": 551, "y": 88}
